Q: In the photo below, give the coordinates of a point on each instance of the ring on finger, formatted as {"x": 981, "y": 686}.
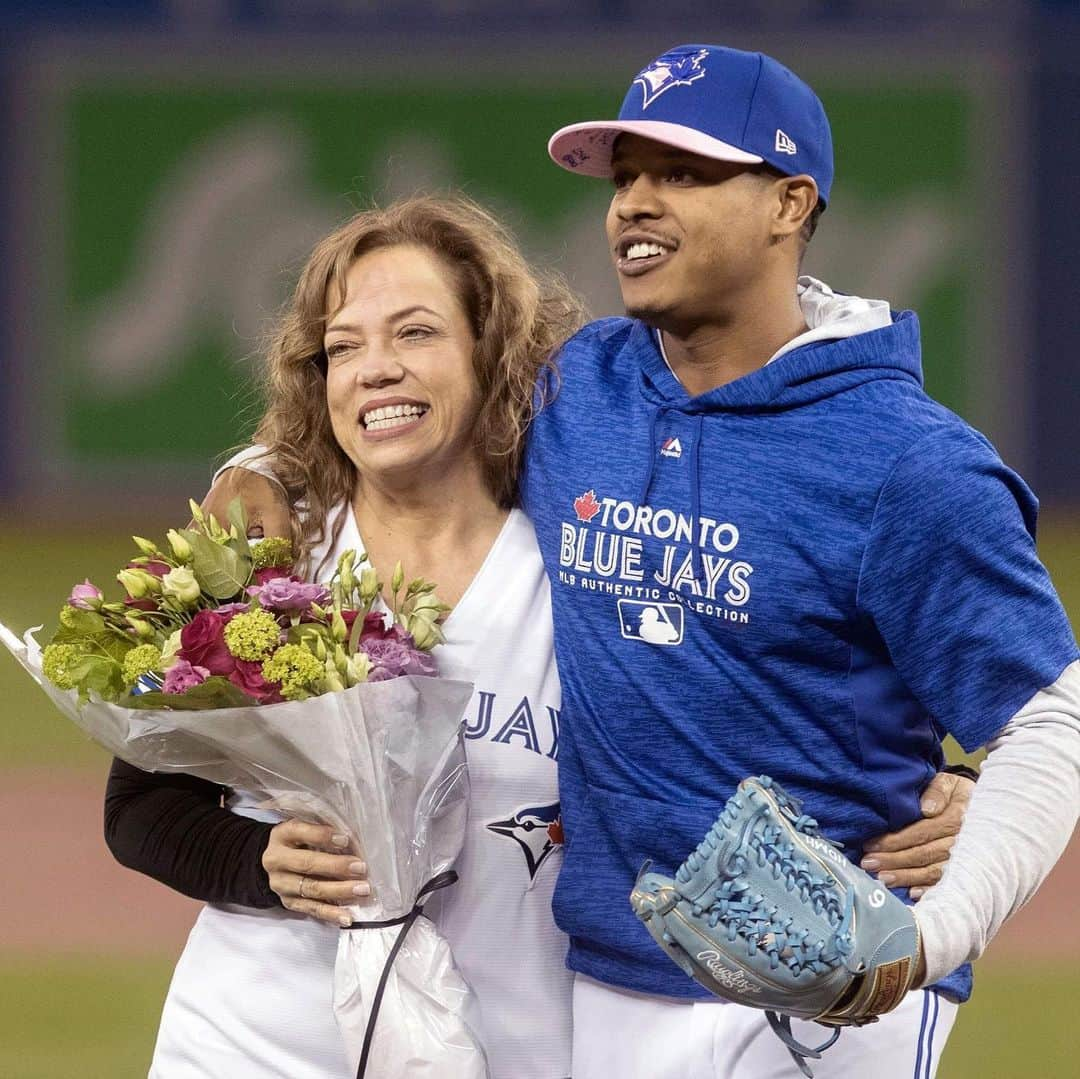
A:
{"x": 300, "y": 892}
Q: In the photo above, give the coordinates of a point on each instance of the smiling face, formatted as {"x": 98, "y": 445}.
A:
{"x": 400, "y": 385}
{"x": 689, "y": 236}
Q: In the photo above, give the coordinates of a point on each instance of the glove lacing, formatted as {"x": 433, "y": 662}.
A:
{"x": 745, "y": 915}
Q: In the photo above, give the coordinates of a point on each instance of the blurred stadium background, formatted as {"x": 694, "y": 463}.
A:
{"x": 163, "y": 167}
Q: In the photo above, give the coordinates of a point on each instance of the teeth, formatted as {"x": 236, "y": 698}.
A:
{"x": 378, "y": 419}
{"x": 643, "y": 250}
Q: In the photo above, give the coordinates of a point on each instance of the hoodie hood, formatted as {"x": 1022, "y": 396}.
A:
{"x": 849, "y": 340}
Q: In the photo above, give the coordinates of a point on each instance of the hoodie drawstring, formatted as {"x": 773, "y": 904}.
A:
{"x": 650, "y": 469}
{"x": 695, "y": 493}
{"x": 695, "y": 476}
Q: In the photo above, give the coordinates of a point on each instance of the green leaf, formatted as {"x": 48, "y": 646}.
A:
{"x": 221, "y": 571}
{"x": 98, "y": 673}
{"x": 116, "y": 646}
{"x": 238, "y": 519}
{"x": 81, "y": 623}
{"x": 91, "y": 634}
{"x": 215, "y": 692}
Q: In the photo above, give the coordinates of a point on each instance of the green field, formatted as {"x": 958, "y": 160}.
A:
{"x": 96, "y": 1019}
{"x": 90, "y": 1018}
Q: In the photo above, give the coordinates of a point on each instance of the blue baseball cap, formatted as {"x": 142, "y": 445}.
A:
{"x": 717, "y": 102}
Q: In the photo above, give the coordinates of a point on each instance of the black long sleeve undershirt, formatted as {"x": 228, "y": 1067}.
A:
{"x": 172, "y": 827}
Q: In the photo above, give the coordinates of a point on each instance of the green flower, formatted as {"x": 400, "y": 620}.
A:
{"x": 68, "y": 617}
{"x": 420, "y": 616}
{"x": 56, "y": 663}
{"x": 296, "y": 669}
{"x": 180, "y": 546}
{"x": 139, "y": 661}
{"x": 252, "y": 636}
{"x": 272, "y": 551}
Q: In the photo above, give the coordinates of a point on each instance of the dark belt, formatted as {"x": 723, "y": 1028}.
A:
{"x": 443, "y": 880}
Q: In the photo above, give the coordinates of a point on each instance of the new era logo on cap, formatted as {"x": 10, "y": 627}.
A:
{"x": 784, "y": 145}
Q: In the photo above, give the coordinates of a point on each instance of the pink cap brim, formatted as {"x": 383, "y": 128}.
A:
{"x": 586, "y": 148}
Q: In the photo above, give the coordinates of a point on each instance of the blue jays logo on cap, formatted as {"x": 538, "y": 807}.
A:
{"x": 537, "y": 830}
{"x": 680, "y": 67}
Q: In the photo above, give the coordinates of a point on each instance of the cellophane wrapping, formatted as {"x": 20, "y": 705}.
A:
{"x": 383, "y": 762}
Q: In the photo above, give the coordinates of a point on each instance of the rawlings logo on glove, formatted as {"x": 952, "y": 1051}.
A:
{"x": 767, "y": 912}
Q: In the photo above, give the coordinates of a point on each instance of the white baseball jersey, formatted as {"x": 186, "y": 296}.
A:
{"x": 251, "y": 995}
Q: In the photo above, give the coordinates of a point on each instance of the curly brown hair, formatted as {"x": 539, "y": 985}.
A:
{"x": 519, "y": 317}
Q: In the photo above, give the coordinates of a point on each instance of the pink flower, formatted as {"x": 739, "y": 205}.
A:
{"x": 156, "y": 569}
{"x": 181, "y": 676}
{"x": 202, "y": 642}
{"x": 289, "y": 594}
{"x": 395, "y": 655}
{"x": 228, "y": 611}
{"x": 375, "y": 627}
{"x": 249, "y": 677}
{"x": 86, "y": 596}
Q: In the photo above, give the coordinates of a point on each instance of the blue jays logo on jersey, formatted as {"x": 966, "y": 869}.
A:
{"x": 679, "y": 67}
{"x": 537, "y": 830}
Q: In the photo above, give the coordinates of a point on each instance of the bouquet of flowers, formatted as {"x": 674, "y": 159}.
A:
{"x": 222, "y": 663}
{"x": 214, "y": 622}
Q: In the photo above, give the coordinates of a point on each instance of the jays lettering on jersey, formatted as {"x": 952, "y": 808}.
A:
{"x": 812, "y": 572}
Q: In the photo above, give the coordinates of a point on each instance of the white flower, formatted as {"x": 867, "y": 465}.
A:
{"x": 358, "y": 668}
{"x": 170, "y": 649}
{"x": 180, "y": 584}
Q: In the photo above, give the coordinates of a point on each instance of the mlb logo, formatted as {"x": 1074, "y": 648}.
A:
{"x": 653, "y": 623}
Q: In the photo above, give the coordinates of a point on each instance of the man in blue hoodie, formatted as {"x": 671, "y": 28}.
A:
{"x": 771, "y": 552}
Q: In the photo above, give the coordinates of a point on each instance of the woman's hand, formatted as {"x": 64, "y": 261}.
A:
{"x": 310, "y": 873}
{"x": 915, "y": 857}
{"x": 264, "y": 502}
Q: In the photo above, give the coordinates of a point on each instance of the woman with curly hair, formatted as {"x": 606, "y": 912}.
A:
{"x": 400, "y": 384}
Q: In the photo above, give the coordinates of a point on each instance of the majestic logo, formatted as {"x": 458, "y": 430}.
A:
{"x": 537, "y": 830}
{"x": 653, "y": 623}
{"x": 784, "y": 143}
{"x": 671, "y": 447}
{"x": 676, "y": 68}
{"x": 586, "y": 507}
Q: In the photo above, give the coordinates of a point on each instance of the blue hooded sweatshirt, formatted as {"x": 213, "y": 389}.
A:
{"x": 813, "y": 572}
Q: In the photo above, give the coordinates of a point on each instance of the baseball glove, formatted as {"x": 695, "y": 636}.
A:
{"x": 769, "y": 913}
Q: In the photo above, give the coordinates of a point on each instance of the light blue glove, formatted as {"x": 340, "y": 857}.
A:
{"x": 769, "y": 913}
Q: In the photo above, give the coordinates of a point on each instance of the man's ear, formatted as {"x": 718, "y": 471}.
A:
{"x": 796, "y": 197}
